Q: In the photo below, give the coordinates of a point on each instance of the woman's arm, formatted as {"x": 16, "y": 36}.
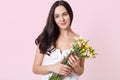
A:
{"x": 58, "y": 68}
{"x": 37, "y": 68}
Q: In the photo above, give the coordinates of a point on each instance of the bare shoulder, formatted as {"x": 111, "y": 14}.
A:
{"x": 76, "y": 34}
{"x": 38, "y": 51}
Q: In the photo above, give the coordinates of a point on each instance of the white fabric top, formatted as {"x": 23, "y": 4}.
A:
{"x": 54, "y": 57}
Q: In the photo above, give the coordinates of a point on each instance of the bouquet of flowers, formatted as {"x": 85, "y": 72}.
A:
{"x": 81, "y": 49}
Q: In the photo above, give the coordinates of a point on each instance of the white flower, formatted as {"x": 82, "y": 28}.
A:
{"x": 72, "y": 49}
{"x": 85, "y": 53}
{"x": 79, "y": 43}
{"x": 88, "y": 54}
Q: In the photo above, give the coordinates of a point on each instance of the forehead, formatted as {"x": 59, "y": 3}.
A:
{"x": 60, "y": 9}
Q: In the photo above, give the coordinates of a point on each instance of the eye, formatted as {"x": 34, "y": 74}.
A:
{"x": 65, "y": 14}
{"x": 56, "y": 16}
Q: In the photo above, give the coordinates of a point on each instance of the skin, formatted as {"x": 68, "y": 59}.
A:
{"x": 63, "y": 42}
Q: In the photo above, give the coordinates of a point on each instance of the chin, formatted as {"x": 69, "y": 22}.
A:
{"x": 64, "y": 28}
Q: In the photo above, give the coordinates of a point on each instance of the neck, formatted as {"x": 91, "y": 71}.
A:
{"x": 65, "y": 33}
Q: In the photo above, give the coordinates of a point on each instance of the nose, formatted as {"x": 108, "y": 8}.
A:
{"x": 62, "y": 18}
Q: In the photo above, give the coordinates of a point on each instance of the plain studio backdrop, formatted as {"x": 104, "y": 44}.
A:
{"x": 21, "y": 21}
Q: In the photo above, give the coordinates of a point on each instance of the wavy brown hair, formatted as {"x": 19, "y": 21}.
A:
{"x": 51, "y": 31}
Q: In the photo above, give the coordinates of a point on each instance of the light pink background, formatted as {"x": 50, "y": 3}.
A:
{"x": 21, "y": 21}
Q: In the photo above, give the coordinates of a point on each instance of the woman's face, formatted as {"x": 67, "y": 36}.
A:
{"x": 62, "y": 17}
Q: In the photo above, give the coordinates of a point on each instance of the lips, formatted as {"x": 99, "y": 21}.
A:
{"x": 63, "y": 23}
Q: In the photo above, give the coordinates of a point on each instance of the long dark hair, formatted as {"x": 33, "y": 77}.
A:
{"x": 51, "y": 31}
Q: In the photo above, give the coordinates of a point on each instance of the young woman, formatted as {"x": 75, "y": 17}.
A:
{"x": 54, "y": 43}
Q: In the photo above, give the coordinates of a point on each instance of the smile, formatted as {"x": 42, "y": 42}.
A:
{"x": 63, "y": 23}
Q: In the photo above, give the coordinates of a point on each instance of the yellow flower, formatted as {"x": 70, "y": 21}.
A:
{"x": 81, "y": 38}
{"x": 79, "y": 47}
{"x": 86, "y": 46}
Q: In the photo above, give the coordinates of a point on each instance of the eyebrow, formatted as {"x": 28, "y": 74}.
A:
{"x": 62, "y": 13}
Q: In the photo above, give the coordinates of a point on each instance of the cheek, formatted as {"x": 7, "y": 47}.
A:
{"x": 68, "y": 18}
{"x": 57, "y": 21}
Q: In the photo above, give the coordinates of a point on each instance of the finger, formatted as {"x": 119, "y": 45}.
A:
{"x": 76, "y": 57}
{"x": 64, "y": 73}
{"x": 72, "y": 58}
{"x": 66, "y": 68}
{"x": 70, "y": 62}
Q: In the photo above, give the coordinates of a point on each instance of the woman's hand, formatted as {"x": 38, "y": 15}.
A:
{"x": 74, "y": 61}
{"x": 61, "y": 69}
{"x": 76, "y": 64}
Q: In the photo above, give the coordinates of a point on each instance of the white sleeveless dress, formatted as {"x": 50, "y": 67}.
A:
{"x": 54, "y": 57}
